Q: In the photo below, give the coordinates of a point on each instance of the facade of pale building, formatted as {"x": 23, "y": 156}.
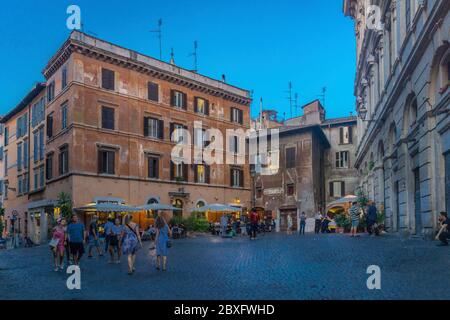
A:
{"x": 108, "y": 129}
{"x": 402, "y": 89}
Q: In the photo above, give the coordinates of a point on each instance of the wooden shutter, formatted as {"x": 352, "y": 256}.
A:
{"x": 196, "y": 173}
{"x": 343, "y": 189}
{"x": 49, "y": 126}
{"x": 350, "y": 135}
{"x": 207, "y": 174}
{"x": 146, "y": 128}
{"x": 153, "y": 91}
{"x": 231, "y": 177}
{"x": 161, "y": 129}
{"x": 241, "y": 117}
{"x": 172, "y": 171}
{"x": 100, "y": 162}
{"x": 184, "y": 101}
{"x": 341, "y": 135}
{"x": 156, "y": 162}
{"x": 196, "y": 104}
{"x": 207, "y": 107}
{"x": 231, "y": 115}
{"x": 108, "y": 82}
{"x": 172, "y": 128}
{"x": 172, "y": 98}
{"x": 185, "y": 172}
{"x": 331, "y": 190}
{"x": 112, "y": 162}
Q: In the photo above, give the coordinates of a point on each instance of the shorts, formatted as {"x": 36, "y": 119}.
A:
{"x": 355, "y": 224}
{"x": 76, "y": 248}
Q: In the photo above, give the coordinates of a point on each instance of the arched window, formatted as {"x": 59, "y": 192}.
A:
{"x": 153, "y": 201}
{"x": 410, "y": 113}
{"x": 392, "y": 139}
{"x": 440, "y": 74}
{"x": 200, "y": 204}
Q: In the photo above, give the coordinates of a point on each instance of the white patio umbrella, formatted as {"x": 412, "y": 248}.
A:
{"x": 217, "y": 208}
{"x": 346, "y": 199}
{"x": 158, "y": 207}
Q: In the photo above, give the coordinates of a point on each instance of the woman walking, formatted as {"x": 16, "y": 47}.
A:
{"x": 131, "y": 242}
{"x": 59, "y": 235}
{"x": 163, "y": 233}
{"x": 115, "y": 239}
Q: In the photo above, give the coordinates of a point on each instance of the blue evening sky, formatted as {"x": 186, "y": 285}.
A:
{"x": 260, "y": 45}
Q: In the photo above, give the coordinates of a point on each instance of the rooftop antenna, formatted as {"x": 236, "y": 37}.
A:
{"x": 172, "y": 56}
{"x": 159, "y": 34}
{"x": 87, "y": 32}
{"x": 261, "y": 114}
{"x": 296, "y": 105}
{"x": 195, "y": 55}
{"x": 290, "y": 99}
{"x": 323, "y": 95}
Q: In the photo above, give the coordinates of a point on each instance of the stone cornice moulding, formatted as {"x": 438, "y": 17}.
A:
{"x": 75, "y": 45}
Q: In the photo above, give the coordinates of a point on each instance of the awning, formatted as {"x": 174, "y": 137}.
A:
{"x": 106, "y": 207}
{"x": 345, "y": 200}
{"x": 217, "y": 208}
{"x": 158, "y": 207}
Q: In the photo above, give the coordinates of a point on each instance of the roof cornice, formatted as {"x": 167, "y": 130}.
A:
{"x": 97, "y": 49}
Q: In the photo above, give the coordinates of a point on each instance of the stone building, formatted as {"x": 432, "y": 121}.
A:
{"x": 108, "y": 133}
{"x": 316, "y": 165}
{"x": 402, "y": 89}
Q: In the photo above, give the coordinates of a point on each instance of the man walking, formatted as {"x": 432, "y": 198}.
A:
{"x": 254, "y": 220}
{"x": 302, "y": 223}
{"x": 318, "y": 219}
{"x": 444, "y": 233}
{"x": 93, "y": 238}
{"x": 371, "y": 218}
{"x": 76, "y": 236}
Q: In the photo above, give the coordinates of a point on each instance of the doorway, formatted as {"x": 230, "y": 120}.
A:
{"x": 284, "y": 220}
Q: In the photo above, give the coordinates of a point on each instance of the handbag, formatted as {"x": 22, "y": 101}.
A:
{"x": 53, "y": 243}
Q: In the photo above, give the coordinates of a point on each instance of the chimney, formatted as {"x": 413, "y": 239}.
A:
{"x": 224, "y": 79}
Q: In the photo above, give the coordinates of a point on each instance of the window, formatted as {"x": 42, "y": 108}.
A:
{"x": 26, "y": 183}
{"x": 38, "y": 113}
{"x": 290, "y": 158}
{"x": 179, "y": 172}
{"x": 237, "y": 178}
{"x": 108, "y": 81}
{"x": 154, "y": 128}
{"x": 108, "y": 118}
{"x": 1, "y": 153}
{"x": 51, "y": 91}
{"x": 36, "y": 179}
{"x": 237, "y": 116}
{"x": 20, "y": 185}
{"x": 178, "y": 99}
{"x": 36, "y": 146}
{"x": 6, "y": 163}
{"x": 290, "y": 189}
{"x": 49, "y": 167}
{"x": 201, "y": 173}
{"x": 19, "y": 157}
{"x": 153, "y": 91}
{"x": 408, "y": 14}
{"x": 259, "y": 193}
{"x": 106, "y": 161}
{"x": 153, "y": 167}
{"x": 177, "y": 132}
{"x": 342, "y": 159}
{"x": 41, "y": 144}
{"x": 41, "y": 177}
{"x": 22, "y": 126}
{"x": 337, "y": 189}
{"x": 199, "y": 138}
{"x": 6, "y": 190}
{"x": 201, "y": 106}
{"x": 64, "y": 77}
{"x": 234, "y": 144}
{"x": 64, "y": 117}
{"x": 50, "y": 125}
{"x": 25, "y": 154}
{"x": 63, "y": 160}
{"x": 6, "y": 136}
{"x": 345, "y": 135}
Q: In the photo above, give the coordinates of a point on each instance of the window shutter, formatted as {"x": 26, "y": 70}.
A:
{"x": 146, "y": 129}
{"x": 196, "y": 173}
{"x": 207, "y": 107}
{"x": 25, "y": 124}
{"x": 350, "y": 135}
{"x": 241, "y": 117}
{"x": 231, "y": 115}
{"x": 341, "y": 135}
{"x": 100, "y": 162}
{"x": 343, "y": 189}
{"x": 184, "y": 101}
{"x": 112, "y": 163}
{"x": 156, "y": 162}
{"x": 241, "y": 178}
{"x": 108, "y": 81}
{"x": 161, "y": 129}
{"x": 196, "y": 105}
{"x": 231, "y": 178}
{"x": 172, "y": 128}
{"x": 207, "y": 174}
{"x": 172, "y": 171}
{"x": 185, "y": 172}
{"x": 49, "y": 126}
{"x": 172, "y": 98}
{"x": 331, "y": 189}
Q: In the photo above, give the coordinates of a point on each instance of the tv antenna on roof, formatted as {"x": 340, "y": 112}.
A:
{"x": 290, "y": 98}
{"x": 87, "y": 32}
{"x": 195, "y": 55}
{"x": 323, "y": 95}
{"x": 159, "y": 34}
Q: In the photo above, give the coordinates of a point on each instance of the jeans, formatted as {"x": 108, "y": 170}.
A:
{"x": 253, "y": 230}
{"x": 302, "y": 227}
{"x": 318, "y": 225}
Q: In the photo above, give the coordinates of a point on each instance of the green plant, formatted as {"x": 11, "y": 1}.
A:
{"x": 2, "y": 212}
{"x": 193, "y": 223}
{"x": 362, "y": 199}
{"x": 381, "y": 217}
{"x": 64, "y": 203}
{"x": 342, "y": 221}
{"x": 371, "y": 165}
{"x": 2, "y": 227}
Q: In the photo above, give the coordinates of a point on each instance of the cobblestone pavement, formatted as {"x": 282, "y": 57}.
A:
{"x": 273, "y": 267}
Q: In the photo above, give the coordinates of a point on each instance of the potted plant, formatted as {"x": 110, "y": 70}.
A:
{"x": 342, "y": 223}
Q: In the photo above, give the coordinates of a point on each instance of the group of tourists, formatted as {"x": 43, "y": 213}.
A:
{"x": 121, "y": 238}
